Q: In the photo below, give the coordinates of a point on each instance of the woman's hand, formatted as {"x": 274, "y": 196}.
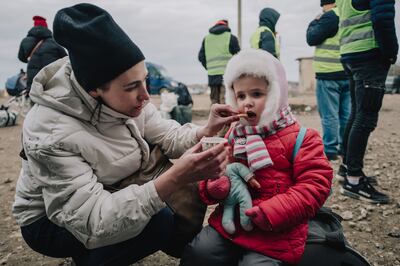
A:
{"x": 193, "y": 166}
{"x": 220, "y": 115}
{"x": 196, "y": 164}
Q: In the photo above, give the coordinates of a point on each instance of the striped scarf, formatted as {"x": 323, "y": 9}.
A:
{"x": 248, "y": 141}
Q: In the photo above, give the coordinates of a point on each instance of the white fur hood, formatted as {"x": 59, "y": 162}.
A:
{"x": 259, "y": 63}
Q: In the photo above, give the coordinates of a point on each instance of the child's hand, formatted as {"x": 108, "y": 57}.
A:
{"x": 258, "y": 218}
{"x": 253, "y": 183}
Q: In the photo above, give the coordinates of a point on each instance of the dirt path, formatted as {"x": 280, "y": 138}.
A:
{"x": 372, "y": 229}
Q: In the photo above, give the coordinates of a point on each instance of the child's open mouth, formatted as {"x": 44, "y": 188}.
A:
{"x": 251, "y": 115}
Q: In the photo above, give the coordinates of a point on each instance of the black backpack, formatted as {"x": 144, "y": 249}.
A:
{"x": 326, "y": 244}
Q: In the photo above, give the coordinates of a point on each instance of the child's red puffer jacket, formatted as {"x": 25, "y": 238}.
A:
{"x": 290, "y": 194}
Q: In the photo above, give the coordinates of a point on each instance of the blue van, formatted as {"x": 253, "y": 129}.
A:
{"x": 159, "y": 80}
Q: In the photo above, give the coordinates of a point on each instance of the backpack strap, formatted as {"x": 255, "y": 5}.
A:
{"x": 34, "y": 49}
{"x": 299, "y": 141}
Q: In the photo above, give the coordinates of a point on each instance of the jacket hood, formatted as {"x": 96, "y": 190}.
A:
{"x": 56, "y": 87}
{"x": 218, "y": 29}
{"x": 40, "y": 32}
{"x": 269, "y": 17}
{"x": 259, "y": 63}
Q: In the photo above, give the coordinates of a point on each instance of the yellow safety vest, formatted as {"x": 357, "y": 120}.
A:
{"x": 217, "y": 52}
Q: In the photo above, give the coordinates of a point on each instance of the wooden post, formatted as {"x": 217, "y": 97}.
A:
{"x": 240, "y": 22}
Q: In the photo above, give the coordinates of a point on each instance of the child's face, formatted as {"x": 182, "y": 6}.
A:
{"x": 251, "y": 96}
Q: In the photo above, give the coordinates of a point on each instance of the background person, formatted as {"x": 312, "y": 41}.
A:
{"x": 265, "y": 37}
{"x": 92, "y": 126}
{"x": 333, "y": 93}
{"x": 368, "y": 46}
{"x": 216, "y": 50}
{"x": 39, "y": 49}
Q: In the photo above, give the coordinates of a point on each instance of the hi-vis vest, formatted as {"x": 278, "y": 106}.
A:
{"x": 217, "y": 52}
{"x": 327, "y": 55}
{"x": 255, "y": 39}
{"x": 355, "y": 29}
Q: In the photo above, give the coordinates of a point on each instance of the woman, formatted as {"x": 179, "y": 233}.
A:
{"x": 92, "y": 126}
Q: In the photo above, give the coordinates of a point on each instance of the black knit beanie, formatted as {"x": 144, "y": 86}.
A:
{"x": 325, "y": 2}
{"x": 98, "y": 48}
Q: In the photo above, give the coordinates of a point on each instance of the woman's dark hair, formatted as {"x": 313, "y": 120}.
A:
{"x": 100, "y": 102}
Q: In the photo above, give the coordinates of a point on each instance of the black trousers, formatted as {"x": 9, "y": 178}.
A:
{"x": 47, "y": 238}
{"x": 367, "y": 88}
{"x": 211, "y": 249}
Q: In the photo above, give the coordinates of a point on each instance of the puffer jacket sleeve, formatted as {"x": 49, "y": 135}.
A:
{"x": 383, "y": 23}
{"x": 234, "y": 46}
{"x": 202, "y": 55}
{"x": 323, "y": 28}
{"x": 75, "y": 200}
{"x": 312, "y": 174}
{"x": 25, "y": 48}
{"x": 173, "y": 138}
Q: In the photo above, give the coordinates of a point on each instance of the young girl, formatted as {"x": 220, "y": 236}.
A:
{"x": 291, "y": 189}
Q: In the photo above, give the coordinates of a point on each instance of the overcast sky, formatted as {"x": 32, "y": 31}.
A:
{"x": 169, "y": 32}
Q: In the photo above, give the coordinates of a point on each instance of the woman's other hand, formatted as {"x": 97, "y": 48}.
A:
{"x": 220, "y": 115}
{"x": 193, "y": 166}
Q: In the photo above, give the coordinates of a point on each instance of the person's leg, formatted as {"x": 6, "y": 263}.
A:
{"x": 211, "y": 249}
{"x": 48, "y": 239}
{"x": 51, "y": 240}
{"x": 154, "y": 237}
{"x": 214, "y": 95}
{"x": 222, "y": 94}
{"x": 350, "y": 121}
{"x": 250, "y": 258}
{"x": 346, "y": 127}
{"x": 369, "y": 91}
{"x": 328, "y": 95}
{"x": 344, "y": 111}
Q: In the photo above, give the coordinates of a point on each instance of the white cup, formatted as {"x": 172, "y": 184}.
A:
{"x": 209, "y": 142}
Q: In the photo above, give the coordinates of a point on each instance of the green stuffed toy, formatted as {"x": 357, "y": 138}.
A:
{"x": 238, "y": 175}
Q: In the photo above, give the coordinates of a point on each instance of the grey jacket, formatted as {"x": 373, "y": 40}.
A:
{"x": 70, "y": 155}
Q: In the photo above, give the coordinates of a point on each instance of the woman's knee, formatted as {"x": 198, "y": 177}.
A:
{"x": 161, "y": 224}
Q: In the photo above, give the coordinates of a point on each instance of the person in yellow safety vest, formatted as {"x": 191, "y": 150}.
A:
{"x": 265, "y": 36}
{"x": 216, "y": 50}
{"x": 368, "y": 45}
{"x": 333, "y": 93}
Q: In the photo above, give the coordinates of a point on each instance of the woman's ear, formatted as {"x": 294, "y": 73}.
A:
{"x": 94, "y": 93}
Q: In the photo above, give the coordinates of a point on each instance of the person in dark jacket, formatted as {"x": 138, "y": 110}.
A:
{"x": 333, "y": 93}
{"x": 36, "y": 53}
{"x": 265, "y": 37}
{"x": 368, "y": 46}
{"x": 216, "y": 50}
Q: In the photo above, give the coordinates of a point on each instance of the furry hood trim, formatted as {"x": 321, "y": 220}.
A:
{"x": 261, "y": 64}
